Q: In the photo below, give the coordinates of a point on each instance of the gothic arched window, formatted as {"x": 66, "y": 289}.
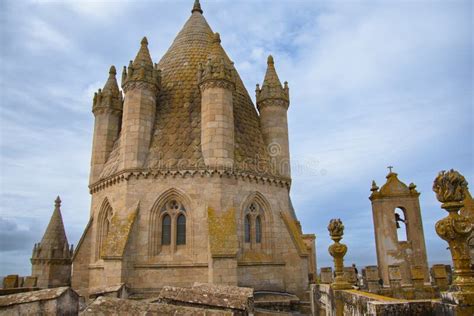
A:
{"x": 105, "y": 219}
{"x": 258, "y": 230}
{"x": 247, "y": 228}
{"x": 181, "y": 230}
{"x": 166, "y": 230}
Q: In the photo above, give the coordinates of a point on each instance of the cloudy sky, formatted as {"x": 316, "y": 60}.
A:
{"x": 373, "y": 83}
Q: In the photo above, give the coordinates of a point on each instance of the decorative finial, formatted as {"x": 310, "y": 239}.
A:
{"x": 112, "y": 70}
{"x": 144, "y": 41}
{"x": 216, "y": 38}
{"x": 336, "y": 229}
{"x": 57, "y": 202}
{"x": 270, "y": 60}
{"x": 450, "y": 186}
{"x": 374, "y": 186}
{"x": 196, "y": 7}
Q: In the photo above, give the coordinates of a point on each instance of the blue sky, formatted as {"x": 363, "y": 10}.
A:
{"x": 372, "y": 84}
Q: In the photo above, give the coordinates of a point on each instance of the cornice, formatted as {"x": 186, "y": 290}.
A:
{"x": 126, "y": 175}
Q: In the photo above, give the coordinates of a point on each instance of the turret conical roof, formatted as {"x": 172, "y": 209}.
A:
{"x": 54, "y": 240}
{"x": 143, "y": 57}
{"x": 271, "y": 87}
{"x": 111, "y": 85}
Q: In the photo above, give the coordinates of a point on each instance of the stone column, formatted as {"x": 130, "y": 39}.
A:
{"x": 338, "y": 251}
{"x": 455, "y": 229}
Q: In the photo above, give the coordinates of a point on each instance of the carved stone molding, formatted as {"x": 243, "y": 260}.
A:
{"x": 217, "y": 83}
{"x": 126, "y": 175}
{"x": 136, "y": 84}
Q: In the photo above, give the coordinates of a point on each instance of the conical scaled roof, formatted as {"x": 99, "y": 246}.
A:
{"x": 177, "y": 138}
{"x": 54, "y": 239}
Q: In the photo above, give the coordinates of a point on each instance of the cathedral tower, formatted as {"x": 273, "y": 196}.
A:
{"x": 398, "y": 228}
{"x": 272, "y": 102}
{"x": 51, "y": 259}
{"x": 184, "y": 195}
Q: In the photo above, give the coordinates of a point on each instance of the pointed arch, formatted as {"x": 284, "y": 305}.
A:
{"x": 256, "y": 222}
{"x": 104, "y": 219}
{"x": 175, "y": 205}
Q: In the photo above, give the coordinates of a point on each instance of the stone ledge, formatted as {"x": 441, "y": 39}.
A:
{"x": 170, "y": 265}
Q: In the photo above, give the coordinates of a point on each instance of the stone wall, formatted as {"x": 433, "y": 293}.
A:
{"x": 58, "y": 301}
{"x": 280, "y": 263}
{"x": 328, "y": 302}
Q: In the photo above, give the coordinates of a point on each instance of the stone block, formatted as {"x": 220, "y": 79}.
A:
{"x": 394, "y": 273}
{"x": 372, "y": 273}
{"x": 237, "y": 299}
{"x": 10, "y": 281}
{"x": 30, "y": 281}
{"x": 326, "y": 275}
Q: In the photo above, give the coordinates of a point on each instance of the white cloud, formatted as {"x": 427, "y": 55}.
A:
{"x": 43, "y": 36}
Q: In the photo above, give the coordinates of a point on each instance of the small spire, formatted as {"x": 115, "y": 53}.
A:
{"x": 270, "y": 60}
{"x": 272, "y": 87}
{"x": 55, "y": 235}
{"x": 57, "y": 202}
{"x": 112, "y": 70}
{"x": 143, "y": 55}
{"x": 374, "y": 186}
{"x": 111, "y": 85}
{"x": 196, "y": 7}
{"x": 216, "y": 38}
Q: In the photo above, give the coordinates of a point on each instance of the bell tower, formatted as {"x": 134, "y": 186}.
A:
{"x": 398, "y": 228}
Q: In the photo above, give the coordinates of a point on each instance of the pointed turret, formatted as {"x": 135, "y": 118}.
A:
{"x": 143, "y": 57}
{"x": 107, "y": 108}
{"x": 141, "y": 84}
{"x": 272, "y": 88}
{"x": 53, "y": 250}
{"x": 110, "y": 97}
{"x": 272, "y": 103}
{"x": 54, "y": 239}
{"x": 197, "y": 7}
{"x": 142, "y": 69}
{"x": 216, "y": 81}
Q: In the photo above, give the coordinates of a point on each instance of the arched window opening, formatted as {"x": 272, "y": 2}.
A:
{"x": 258, "y": 230}
{"x": 400, "y": 222}
{"x": 181, "y": 230}
{"x": 247, "y": 228}
{"x": 105, "y": 219}
{"x": 166, "y": 230}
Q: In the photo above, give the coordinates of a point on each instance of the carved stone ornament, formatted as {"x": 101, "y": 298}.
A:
{"x": 218, "y": 72}
{"x": 455, "y": 228}
{"x": 449, "y": 186}
{"x": 336, "y": 229}
{"x": 338, "y": 251}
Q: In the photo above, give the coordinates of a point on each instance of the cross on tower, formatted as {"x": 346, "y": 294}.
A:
{"x": 390, "y": 168}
